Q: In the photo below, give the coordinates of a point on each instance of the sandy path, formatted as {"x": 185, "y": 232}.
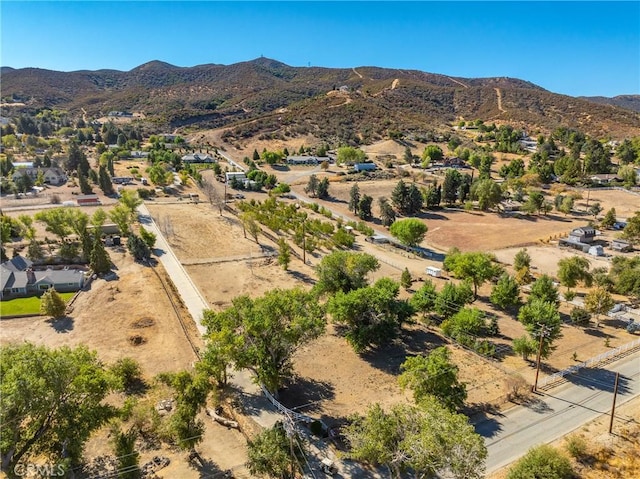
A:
{"x": 499, "y": 95}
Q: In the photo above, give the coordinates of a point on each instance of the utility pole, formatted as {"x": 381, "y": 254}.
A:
{"x": 543, "y": 333}
{"x": 613, "y": 408}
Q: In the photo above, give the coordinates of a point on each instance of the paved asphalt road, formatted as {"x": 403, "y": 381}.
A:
{"x": 558, "y": 411}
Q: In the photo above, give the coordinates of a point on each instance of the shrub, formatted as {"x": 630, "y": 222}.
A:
{"x": 579, "y": 315}
{"x": 127, "y": 371}
{"x": 576, "y": 446}
{"x": 542, "y": 462}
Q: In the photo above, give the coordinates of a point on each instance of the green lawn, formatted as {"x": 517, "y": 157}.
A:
{"x": 25, "y": 305}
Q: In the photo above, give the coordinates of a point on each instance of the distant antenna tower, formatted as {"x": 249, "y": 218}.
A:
{"x": 309, "y": 64}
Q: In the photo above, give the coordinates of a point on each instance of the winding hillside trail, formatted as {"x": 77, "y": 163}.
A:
{"x": 395, "y": 83}
{"x": 356, "y": 72}
{"x": 499, "y": 94}
{"x": 458, "y": 82}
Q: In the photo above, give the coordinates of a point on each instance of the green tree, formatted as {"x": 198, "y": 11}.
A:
{"x": 544, "y": 289}
{"x": 434, "y": 375}
{"x": 424, "y": 300}
{"x": 595, "y": 209}
{"x": 525, "y": 346}
{"x": 487, "y": 192}
{"x": 534, "y": 203}
{"x": 409, "y": 231}
{"x": 387, "y": 214}
{"x": 609, "y": 219}
{"x": 348, "y": 155}
{"x": 191, "y": 391}
{"x": 138, "y": 248}
{"x": 104, "y": 181}
{"x": 429, "y": 440}
{"x": 627, "y": 153}
{"x": 542, "y": 462}
{"x": 130, "y": 200}
{"x": 124, "y": 448}
{"x": 431, "y": 154}
{"x": 371, "y": 315}
{"x": 354, "y": 198}
{"x": 573, "y": 270}
{"x": 56, "y": 221}
{"x": 452, "y": 299}
{"x": 506, "y": 292}
{"x": 148, "y": 237}
{"x": 251, "y": 225}
{"x": 542, "y": 318}
{"x": 256, "y": 155}
{"x": 477, "y": 267}
{"x": 406, "y": 279}
{"x": 451, "y": 185}
{"x": 322, "y": 191}
{"x": 51, "y": 401}
{"x": 270, "y": 454}
{"x": 312, "y": 186}
{"x": 271, "y": 157}
{"x": 399, "y": 196}
{"x": 99, "y": 260}
{"x": 268, "y": 331}
{"x": 364, "y": 208}
{"x": 121, "y": 216}
{"x": 284, "y": 254}
{"x": 344, "y": 271}
{"x": 465, "y": 326}
{"x": 598, "y": 302}
{"x": 521, "y": 260}
{"x": 631, "y": 232}
{"x": 566, "y": 206}
{"x": 52, "y": 304}
{"x": 85, "y": 187}
{"x": 159, "y": 176}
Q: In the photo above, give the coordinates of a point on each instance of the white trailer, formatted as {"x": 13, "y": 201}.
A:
{"x": 433, "y": 271}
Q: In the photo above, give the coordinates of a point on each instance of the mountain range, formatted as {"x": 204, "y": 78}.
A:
{"x": 362, "y": 104}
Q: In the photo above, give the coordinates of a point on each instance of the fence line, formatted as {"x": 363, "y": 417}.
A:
{"x": 296, "y": 416}
{"x": 549, "y": 381}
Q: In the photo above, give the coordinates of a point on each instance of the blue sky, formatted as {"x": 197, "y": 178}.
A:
{"x": 574, "y": 48}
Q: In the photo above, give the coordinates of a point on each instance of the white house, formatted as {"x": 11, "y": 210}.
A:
{"x": 52, "y": 175}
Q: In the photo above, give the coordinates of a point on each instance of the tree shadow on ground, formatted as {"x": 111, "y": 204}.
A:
{"x": 411, "y": 342}
{"x": 593, "y": 331}
{"x": 599, "y": 379}
{"x": 206, "y": 468}
{"x": 62, "y": 325}
{"x": 306, "y": 395}
{"x": 535, "y": 404}
{"x": 485, "y": 418}
{"x": 300, "y": 276}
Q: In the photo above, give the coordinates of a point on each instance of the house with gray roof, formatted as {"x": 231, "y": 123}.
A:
{"x": 18, "y": 278}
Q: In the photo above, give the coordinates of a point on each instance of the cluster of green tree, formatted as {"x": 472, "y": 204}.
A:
{"x": 360, "y": 204}
{"x": 53, "y": 400}
{"x": 283, "y": 218}
{"x": 77, "y": 232}
{"x": 406, "y": 199}
{"x": 317, "y": 188}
